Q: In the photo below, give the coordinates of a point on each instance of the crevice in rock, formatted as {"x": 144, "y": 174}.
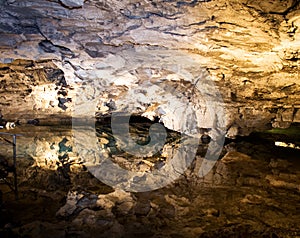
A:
{"x": 49, "y": 47}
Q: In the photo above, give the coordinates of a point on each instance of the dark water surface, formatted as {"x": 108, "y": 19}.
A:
{"x": 252, "y": 191}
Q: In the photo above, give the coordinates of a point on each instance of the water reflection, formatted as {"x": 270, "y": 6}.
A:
{"x": 244, "y": 195}
{"x": 7, "y": 167}
{"x": 139, "y": 132}
{"x": 47, "y": 153}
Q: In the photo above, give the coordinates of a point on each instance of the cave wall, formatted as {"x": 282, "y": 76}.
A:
{"x": 249, "y": 49}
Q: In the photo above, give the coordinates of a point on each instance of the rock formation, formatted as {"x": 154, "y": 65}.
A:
{"x": 249, "y": 49}
{"x": 193, "y": 65}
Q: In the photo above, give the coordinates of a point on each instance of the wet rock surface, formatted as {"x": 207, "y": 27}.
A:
{"x": 168, "y": 61}
{"x": 253, "y": 190}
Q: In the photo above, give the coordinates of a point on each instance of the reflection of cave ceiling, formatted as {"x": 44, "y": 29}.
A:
{"x": 250, "y": 48}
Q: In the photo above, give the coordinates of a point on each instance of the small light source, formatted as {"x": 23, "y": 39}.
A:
{"x": 289, "y": 145}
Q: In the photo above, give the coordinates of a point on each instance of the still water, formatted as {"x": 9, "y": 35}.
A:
{"x": 253, "y": 190}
